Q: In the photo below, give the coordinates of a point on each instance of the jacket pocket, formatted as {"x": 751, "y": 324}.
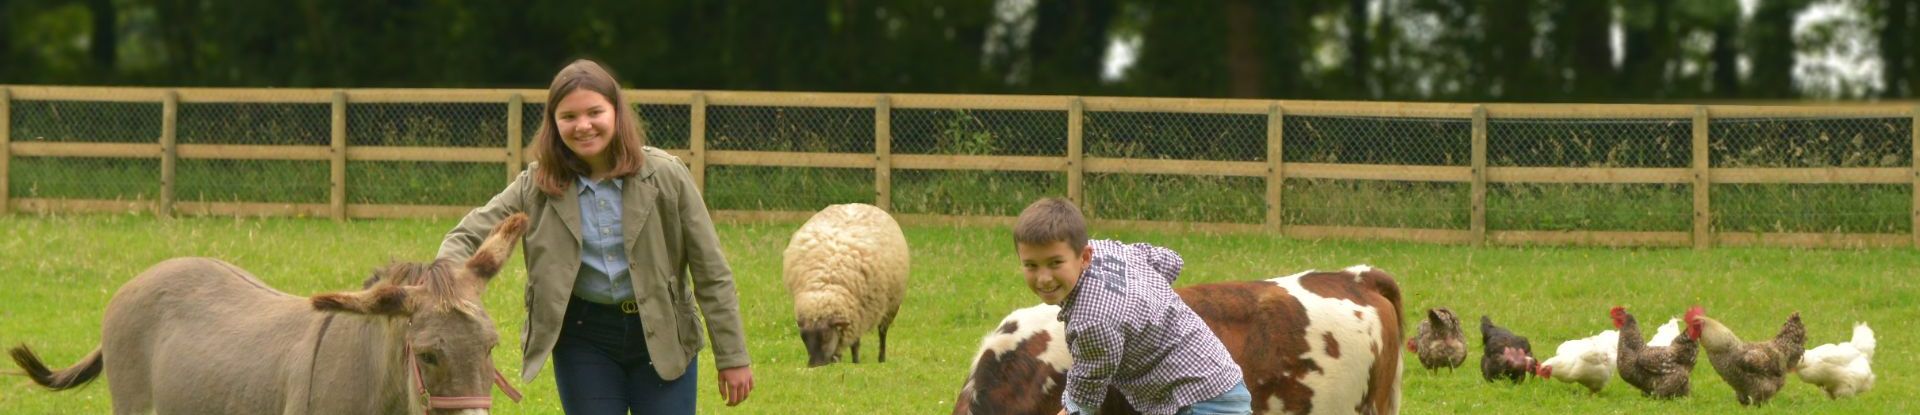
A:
{"x": 526, "y": 327}
{"x": 689, "y": 323}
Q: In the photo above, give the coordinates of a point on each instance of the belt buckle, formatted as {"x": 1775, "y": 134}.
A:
{"x": 629, "y": 307}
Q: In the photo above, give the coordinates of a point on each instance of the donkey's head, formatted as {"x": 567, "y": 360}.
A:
{"x": 448, "y": 333}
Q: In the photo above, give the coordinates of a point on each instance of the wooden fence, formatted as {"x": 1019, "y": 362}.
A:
{"x": 1074, "y": 164}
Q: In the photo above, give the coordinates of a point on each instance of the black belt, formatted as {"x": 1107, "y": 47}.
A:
{"x": 623, "y": 307}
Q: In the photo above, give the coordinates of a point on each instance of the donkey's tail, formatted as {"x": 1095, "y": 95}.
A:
{"x": 69, "y": 378}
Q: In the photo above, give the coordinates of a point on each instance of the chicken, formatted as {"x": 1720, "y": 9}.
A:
{"x": 1504, "y": 354}
{"x": 1588, "y": 362}
{"x": 1664, "y": 335}
{"x": 1843, "y": 369}
{"x": 1663, "y": 370}
{"x": 1755, "y": 370}
{"x": 1439, "y": 341}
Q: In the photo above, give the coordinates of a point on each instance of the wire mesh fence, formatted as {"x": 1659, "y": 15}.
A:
{"x": 1826, "y": 142}
{"x": 84, "y": 177}
{"x": 1368, "y": 169}
{"x": 1604, "y": 143}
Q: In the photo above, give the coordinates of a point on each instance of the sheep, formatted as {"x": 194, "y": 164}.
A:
{"x": 846, "y": 269}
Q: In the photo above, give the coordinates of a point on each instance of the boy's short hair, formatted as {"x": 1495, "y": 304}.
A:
{"x": 1051, "y": 220}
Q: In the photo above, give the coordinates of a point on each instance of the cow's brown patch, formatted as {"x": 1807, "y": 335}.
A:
{"x": 1009, "y": 328}
{"x": 1005, "y": 384}
{"x": 1265, "y": 330}
{"x": 1333, "y": 346}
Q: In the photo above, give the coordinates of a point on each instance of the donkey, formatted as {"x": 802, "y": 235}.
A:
{"x": 200, "y": 336}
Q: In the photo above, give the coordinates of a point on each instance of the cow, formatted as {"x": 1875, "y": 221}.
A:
{"x": 201, "y": 336}
{"x": 1308, "y": 343}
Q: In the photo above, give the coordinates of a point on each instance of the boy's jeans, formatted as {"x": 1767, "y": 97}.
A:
{"x": 1235, "y": 401}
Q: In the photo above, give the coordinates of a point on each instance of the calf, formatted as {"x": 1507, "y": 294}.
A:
{"x": 1313, "y": 342}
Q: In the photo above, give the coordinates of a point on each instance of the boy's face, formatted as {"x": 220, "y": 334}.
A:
{"x": 1053, "y": 269}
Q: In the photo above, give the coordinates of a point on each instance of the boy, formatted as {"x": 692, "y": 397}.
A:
{"x": 1125, "y": 326}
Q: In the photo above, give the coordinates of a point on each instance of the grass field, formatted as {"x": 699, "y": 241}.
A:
{"x": 59, "y": 271}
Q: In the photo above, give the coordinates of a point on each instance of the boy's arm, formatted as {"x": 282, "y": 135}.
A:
{"x": 1164, "y": 261}
{"x": 1096, "y": 356}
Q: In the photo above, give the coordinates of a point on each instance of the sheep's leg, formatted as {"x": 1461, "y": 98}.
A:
{"x": 856, "y": 350}
{"x": 884, "y": 324}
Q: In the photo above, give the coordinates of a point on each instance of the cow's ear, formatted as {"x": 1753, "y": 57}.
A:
{"x": 385, "y": 300}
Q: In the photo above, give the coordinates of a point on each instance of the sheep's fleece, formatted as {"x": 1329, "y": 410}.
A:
{"x": 847, "y": 264}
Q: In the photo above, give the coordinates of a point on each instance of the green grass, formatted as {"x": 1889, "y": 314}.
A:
{"x": 59, "y": 271}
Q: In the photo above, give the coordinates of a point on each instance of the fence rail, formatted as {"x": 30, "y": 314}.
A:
{"x": 1281, "y": 166}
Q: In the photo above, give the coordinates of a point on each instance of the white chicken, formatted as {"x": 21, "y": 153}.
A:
{"x": 1842, "y": 369}
{"x": 1663, "y": 336}
{"x": 1589, "y": 362}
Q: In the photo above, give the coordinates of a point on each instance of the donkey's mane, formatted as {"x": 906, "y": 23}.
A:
{"x": 438, "y": 280}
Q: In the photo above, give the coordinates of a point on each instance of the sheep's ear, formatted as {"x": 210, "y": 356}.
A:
{"x": 383, "y": 300}
{"x": 841, "y": 323}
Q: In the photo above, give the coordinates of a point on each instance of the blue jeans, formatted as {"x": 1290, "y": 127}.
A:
{"x": 1235, "y": 401}
{"x": 601, "y": 366}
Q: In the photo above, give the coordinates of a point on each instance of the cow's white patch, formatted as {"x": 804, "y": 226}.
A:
{"x": 1028, "y": 321}
{"x": 1342, "y": 382}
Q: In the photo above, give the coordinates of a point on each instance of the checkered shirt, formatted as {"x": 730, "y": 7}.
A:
{"x": 1127, "y": 328}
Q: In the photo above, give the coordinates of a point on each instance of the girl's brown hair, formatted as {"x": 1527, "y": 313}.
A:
{"x": 559, "y": 167}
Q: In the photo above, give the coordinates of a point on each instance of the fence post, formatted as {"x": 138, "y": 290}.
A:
{"x": 1478, "y": 220}
{"x": 337, "y": 197}
{"x": 516, "y": 135}
{"x": 1702, "y": 210}
{"x": 1913, "y": 162}
{"x": 697, "y": 142}
{"x": 883, "y": 153}
{"x": 1276, "y": 169}
{"x": 169, "y": 151}
{"x": 1076, "y": 169}
{"x": 6, "y": 145}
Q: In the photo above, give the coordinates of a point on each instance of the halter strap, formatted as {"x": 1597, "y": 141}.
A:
{"x": 455, "y": 402}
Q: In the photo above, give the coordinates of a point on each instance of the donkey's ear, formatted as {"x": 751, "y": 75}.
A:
{"x": 383, "y": 300}
{"x": 493, "y": 253}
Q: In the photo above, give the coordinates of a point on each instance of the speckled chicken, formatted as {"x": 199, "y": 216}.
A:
{"x": 1439, "y": 341}
{"x": 1662, "y": 369}
{"x": 1755, "y": 370}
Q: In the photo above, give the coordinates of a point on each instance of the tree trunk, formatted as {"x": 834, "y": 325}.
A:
{"x": 1243, "y": 57}
{"x": 1893, "y": 47}
{"x": 1584, "y": 47}
{"x": 1726, "y": 73}
{"x": 106, "y": 24}
{"x": 1773, "y": 48}
{"x": 1069, "y": 44}
{"x": 1508, "y": 64}
{"x": 1359, "y": 61}
{"x": 1649, "y": 50}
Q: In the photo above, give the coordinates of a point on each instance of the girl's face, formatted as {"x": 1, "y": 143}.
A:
{"x": 585, "y": 121}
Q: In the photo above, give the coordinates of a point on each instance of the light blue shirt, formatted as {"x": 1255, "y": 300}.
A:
{"x": 603, "y": 274}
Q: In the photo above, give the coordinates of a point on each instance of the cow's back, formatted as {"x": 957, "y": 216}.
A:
{"x": 1315, "y": 342}
{"x": 190, "y": 327}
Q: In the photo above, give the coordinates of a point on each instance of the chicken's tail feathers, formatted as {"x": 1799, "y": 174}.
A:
{"x": 1863, "y": 339}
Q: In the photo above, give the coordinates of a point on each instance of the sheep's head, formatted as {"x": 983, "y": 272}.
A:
{"x": 825, "y": 338}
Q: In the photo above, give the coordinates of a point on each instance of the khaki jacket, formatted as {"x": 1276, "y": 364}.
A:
{"x": 670, "y": 241}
